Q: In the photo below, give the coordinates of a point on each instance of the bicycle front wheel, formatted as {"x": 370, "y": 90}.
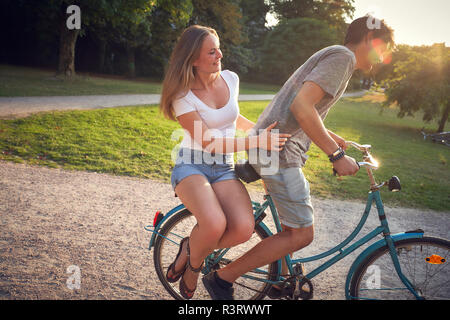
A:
{"x": 424, "y": 261}
{"x": 251, "y": 286}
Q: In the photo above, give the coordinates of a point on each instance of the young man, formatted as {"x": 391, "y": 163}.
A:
{"x": 300, "y": 108}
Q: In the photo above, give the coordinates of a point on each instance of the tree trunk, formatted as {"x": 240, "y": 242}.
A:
{"x": 101, "y": 56}
{"x": 131, "y": 72}
{"x": 67, "y": 41}
{"x": 444, "y": 118}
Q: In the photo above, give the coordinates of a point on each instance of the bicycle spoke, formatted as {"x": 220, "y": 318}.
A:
{"x": 167, "y": 246}
{"x": 430, "y": 279}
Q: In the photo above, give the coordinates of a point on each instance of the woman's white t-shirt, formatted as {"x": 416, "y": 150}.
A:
{"x": 221, "y": 122}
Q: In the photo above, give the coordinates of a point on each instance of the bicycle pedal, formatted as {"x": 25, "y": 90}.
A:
{"x": 305, "y": 289}
{"x": 288, "y": 289}
{"x": 299, "y": 269}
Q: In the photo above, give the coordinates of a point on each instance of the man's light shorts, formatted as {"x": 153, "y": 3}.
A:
{"x": 289, "y": 190}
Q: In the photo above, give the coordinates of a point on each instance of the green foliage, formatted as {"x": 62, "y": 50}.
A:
{"x": 291, "y": 43}
{"x": 136, "y": 141}
{"x": 133, "y": 25}
{"x": 137, "y": 36}
{"x": 226, "y": 18}
{"x": 333, "y": 12}
{"x": 421, "y": 81}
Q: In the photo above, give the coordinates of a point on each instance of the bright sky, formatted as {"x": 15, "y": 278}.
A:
{"x": 415, "y": 22}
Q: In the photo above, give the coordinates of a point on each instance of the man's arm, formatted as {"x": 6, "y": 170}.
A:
{"x": 304, "y": 111}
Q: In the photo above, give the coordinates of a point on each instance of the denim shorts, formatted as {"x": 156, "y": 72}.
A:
{"x": 214, "y": 167}
{"x": 289, "y": 190}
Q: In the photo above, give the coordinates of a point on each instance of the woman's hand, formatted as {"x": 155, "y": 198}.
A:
{"x": 342, "y": 143}
{"x": 272, "y": 141}
{"x": 339, "y": 140}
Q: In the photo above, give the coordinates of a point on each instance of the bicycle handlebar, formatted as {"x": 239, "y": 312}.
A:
{"x": 368, "y": 162}
{"x": 371, "y": 164}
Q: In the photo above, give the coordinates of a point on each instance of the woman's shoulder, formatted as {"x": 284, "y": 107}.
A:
{"x": 183, "y": 98}
{"x": 232, "y": 76}
{"x": 231, "y": 73}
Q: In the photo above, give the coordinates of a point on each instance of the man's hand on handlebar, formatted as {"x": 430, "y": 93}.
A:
{"x": 346, "y": 166}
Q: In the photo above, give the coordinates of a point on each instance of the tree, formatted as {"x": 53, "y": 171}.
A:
{"x": 131, "y": 27}
{"x": 254, "y": 21}
{"x": 290, "y": 44}
{"x": 333, "y": 12}
{"x": 248, "y": 55}
{"x": 133, "y": 23}
{"x": 126, "y": 21}
{"x": 226, "y": 18}
{"x": 421, "y": 82}
{"x": 168, "y": 21}
{"x": 91, "y": 12}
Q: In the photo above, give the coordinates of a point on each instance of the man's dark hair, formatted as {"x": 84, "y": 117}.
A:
{"x": 358, "y": 29}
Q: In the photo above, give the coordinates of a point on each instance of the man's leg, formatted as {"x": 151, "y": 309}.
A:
{"x": 290, "y": 192}
{"x": 267, "y": 251}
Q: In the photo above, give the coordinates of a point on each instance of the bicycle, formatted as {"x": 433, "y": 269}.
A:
{"x": 405, "y": 265}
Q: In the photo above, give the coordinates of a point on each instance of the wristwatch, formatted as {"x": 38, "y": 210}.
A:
{"x": 338, "y": 154}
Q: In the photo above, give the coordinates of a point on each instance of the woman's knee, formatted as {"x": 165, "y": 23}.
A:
{"x": 242, "y": 231}
{"x": 213, "y": 230}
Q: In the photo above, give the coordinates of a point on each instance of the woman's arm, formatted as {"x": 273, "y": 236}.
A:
{"x": 338, "y": 139}
{"x": 242, "y": 123}
{"x": 200, "y": 132}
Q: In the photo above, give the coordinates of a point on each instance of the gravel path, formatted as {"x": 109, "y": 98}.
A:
{"x": 52, "y": 219}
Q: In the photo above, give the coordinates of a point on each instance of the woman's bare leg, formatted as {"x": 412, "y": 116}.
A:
{"x": 199, "y": 198}
{"x": 237, "y": 207}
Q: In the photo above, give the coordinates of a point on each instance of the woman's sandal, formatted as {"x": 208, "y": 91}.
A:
{"x": 177, "y": 275}
{"x": 184, "y": 290}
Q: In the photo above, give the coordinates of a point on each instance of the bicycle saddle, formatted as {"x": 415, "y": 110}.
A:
{"x": 246, "y": 172}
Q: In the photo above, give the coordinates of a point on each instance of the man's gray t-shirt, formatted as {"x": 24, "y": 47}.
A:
{"x": 331, "y": 68}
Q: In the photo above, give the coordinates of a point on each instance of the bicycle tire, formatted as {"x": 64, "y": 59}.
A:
{"x": 431, "y": 280}
{"x": 165, "y": 252}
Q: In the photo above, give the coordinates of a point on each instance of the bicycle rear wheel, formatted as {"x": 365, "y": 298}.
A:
{"x": 424, "y": 261}
{"x": 167, "y": 245}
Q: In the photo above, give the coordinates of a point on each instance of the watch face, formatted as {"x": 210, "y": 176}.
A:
{"x": 337, "y": 155}
{"x": 334, "y": 154}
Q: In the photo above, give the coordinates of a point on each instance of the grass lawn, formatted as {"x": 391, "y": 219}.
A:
{"x": 136, "y": 141}
{"x": 21, "y": 81}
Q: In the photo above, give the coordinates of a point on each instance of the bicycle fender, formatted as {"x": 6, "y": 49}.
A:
{"x": 380, "y": 243}
{"x": 159, "y": 225}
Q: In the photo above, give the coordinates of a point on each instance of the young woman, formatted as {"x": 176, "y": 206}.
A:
{"x": 203, "y": 99}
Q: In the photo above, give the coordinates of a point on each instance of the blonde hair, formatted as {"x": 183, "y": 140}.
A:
{"x": 180, "y": 72}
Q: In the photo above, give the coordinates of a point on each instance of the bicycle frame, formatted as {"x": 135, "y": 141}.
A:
{"x": 374, "y": 196}
{"x": 259, "y": 209}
